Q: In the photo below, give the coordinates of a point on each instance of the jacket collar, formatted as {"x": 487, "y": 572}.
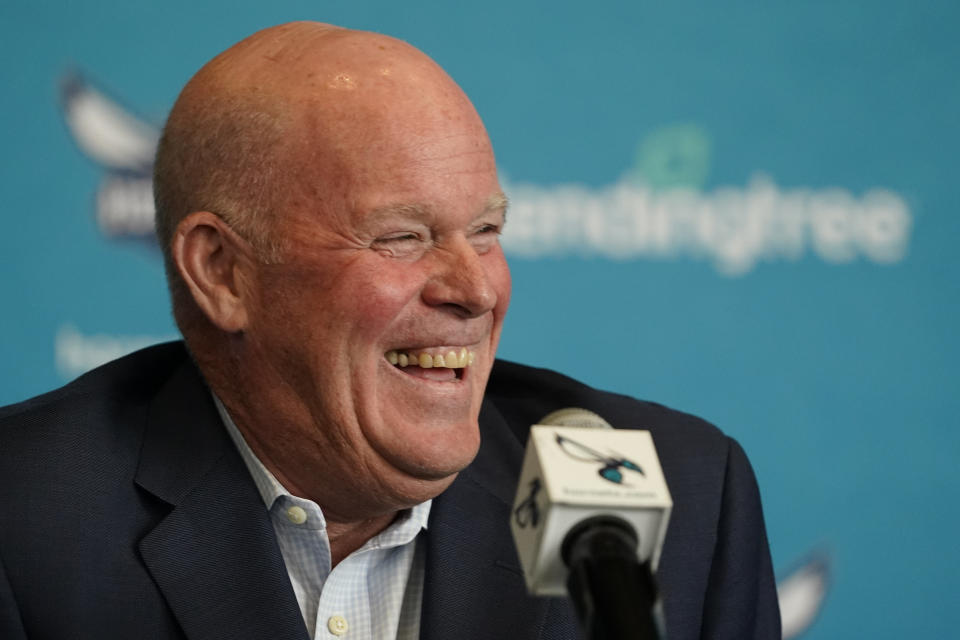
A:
{"x": 214, "y": 556}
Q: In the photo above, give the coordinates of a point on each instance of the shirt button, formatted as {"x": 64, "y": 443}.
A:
{"x": 296, "y": 515}
{"x": 337, "y": 625}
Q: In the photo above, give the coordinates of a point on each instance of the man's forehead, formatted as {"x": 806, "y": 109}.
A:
{"x": 424, "y": 212}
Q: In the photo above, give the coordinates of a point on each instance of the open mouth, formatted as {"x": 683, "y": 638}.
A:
{"x": 440, "y": 365}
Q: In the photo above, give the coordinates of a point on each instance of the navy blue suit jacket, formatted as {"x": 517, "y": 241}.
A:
{"x": 126, "y": 512}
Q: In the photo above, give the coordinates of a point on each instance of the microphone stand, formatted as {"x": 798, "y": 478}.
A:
{"x": 612, "y": 592}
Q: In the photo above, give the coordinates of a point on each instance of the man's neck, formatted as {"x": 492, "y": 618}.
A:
{"x": 346, "y": 532}
{"x": 345, "y": 538}
{"x": 346, "y": 535}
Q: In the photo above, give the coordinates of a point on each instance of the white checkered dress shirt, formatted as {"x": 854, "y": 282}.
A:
{"x": 374, "y": 593}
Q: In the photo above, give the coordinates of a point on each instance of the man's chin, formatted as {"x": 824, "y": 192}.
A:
{"x": 435, "y": 470}
{"x": 413, "y": 490}
{"x": 438, "y": 443}
{"x": 432, "y": 473}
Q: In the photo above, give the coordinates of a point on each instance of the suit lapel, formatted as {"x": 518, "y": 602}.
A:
{"x": 214, "y": 557}
{"x": 474, "y": 586}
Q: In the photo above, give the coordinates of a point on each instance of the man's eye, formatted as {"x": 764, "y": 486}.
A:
{"x": 400, "y": 237}
{"x": 399, "y": 245}
{"x": 485, "y": 237}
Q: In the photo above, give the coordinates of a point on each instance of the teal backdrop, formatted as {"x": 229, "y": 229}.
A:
{"x": 745, "y": 210}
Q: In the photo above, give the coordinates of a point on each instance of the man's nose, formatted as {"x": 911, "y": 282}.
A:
{"x": 460, "y": 281}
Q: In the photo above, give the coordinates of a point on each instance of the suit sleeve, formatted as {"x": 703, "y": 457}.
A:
{"x": 741, "y": 600}
{"x": 11, "y": 626}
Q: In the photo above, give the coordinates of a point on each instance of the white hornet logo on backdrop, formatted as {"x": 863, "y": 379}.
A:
{"x": 801, "y": 594}
{"x": 124, "y": 146}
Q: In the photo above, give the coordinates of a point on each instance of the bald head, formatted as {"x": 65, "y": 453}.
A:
{"x": 309, "y": 60}
{"x": 253, "y": 126}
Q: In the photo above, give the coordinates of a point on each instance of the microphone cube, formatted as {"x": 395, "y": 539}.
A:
{"x": 571, "y": 474}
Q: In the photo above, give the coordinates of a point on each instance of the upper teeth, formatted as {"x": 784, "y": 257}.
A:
{"x": 450, "y": 360}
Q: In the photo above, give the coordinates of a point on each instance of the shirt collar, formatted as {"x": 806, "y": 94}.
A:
{"x": 267, "y": 484}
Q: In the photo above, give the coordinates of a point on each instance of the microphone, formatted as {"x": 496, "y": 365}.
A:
{"x": 589, "y": 520}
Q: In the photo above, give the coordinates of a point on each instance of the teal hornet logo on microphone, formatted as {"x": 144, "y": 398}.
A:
{"x": 611, "y": 465}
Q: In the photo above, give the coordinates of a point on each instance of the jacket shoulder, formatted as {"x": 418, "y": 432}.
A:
{"x": 527, "y": 394}
{"x": 96, "y": 418}
{"x": 124, "y": 377}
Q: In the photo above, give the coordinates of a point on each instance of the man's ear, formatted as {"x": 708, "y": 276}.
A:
{"x": 207, "y": 256}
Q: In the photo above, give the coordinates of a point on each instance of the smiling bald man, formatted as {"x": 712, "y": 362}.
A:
{"x": 333, "y": 452}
